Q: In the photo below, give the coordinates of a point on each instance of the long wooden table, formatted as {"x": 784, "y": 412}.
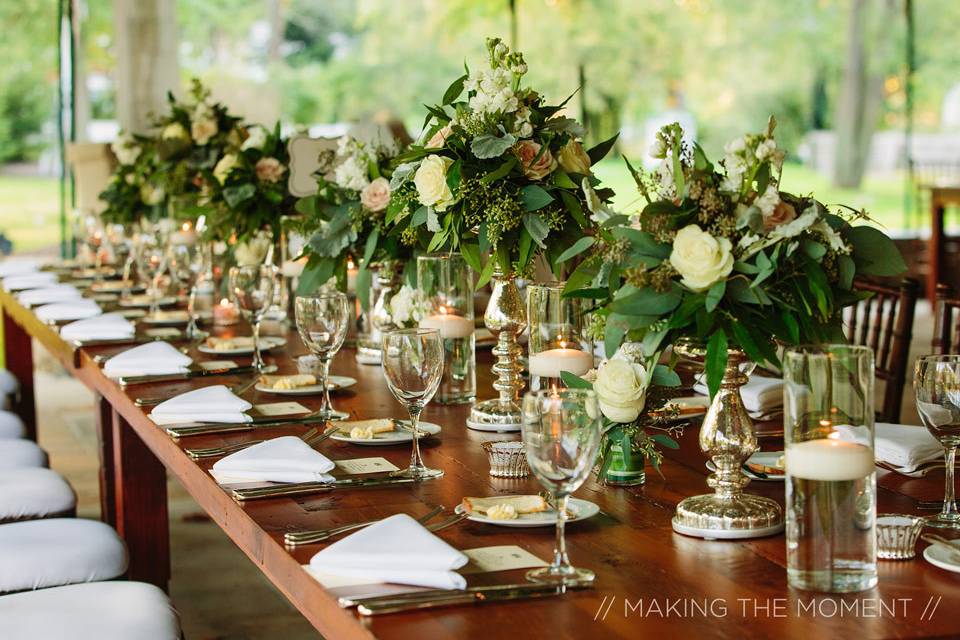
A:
{"x": 649, "y": 579}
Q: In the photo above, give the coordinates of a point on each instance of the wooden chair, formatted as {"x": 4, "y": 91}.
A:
{"x": 946, "y": 318}
{"x": 884, "y": 322}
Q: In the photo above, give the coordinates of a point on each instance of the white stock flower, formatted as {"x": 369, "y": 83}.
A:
{"x": 834, "y": 239}
{"x": 768, "y": 201}
{"x": 699, "y": 258}
{"x": 352, "y": 173}
{"x": 766, "y": 150}
{"x": 224, "y": 166}
{"x": 431, "y": 182}
{"x": 621, "y": 389}
{"x": 256, "y": 138}
{"x": 735, "y": 146}
{"x": 659, "y": 148}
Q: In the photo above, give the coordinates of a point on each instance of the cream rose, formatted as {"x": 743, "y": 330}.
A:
{"x": 269, "y": 170}
{"x": 253, "y": 251}
{"x": 527, "y": 151}
{"x": 700, "y": 258}
{"x": 203, "y": 129}
{"x": 175, "y": 131}
{"x": 224, "y": 166}
{"x": 431, "y": 182}
{"x": 376, "y": 195}
{"x": 621, "y": 389}
{"x": 440, "y": 138}
{"x": 574, "y": 159}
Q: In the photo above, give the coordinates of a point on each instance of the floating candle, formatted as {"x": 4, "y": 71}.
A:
{"x": 551, "y": 362}
{"x": 449, "y": 325}
{"x": 225, "y": 313}
{"x": 828, "y": 459}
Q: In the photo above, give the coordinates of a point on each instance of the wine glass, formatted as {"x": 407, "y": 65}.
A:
{"x": 561, "y": 435}
{"x": 936, "y": 381}
{"x": 251, "y": 288}
{"x": 322, "y": 322}
{"x": 186, "y": 267}
{"x": 151, "y": 263}
{"x": 413, "y": 365}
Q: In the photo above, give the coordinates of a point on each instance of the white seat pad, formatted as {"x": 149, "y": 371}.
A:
{"x": 95, "y": 611}
{"x": 34, "y": 493}
{"x": 58, "y": 551}
{"x": 20, "y": 454}
{"x": 11, "y": 426}
{"x": 8, "y": 382}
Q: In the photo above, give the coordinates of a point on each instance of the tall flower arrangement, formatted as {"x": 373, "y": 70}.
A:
{"x": 722, "y": 256}
{"x": 498, "y": 170}
{"x": 130, "y": 195}
{"x": 345, "y": 221}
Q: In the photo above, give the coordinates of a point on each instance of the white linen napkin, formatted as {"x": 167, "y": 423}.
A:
{"x": 29, "y": 280}
{"x": 109, "y": 326}
{"x": 761, "y": 395}
{"x": 19, "y": 266}
{"x": 906, "y": 446}
{"x": 50, "y": 294}
{"x": 397, "y": 549}
{"x": 152, "y": 358}
{"x": 209, "y": 404}
{"x": 283, "y": 459}
{"x": 73, "y": 310}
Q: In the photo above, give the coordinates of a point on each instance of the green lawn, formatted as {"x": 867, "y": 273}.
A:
{"x": 30, "y": 212}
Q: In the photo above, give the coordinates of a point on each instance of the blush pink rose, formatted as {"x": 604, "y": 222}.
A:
{"x": 440, "y": 138}
{"x": 269, "y": 170}
{"x": 533, "y": 167}
{"x": 376, "y": 195}
{"x": 781, "y": 214}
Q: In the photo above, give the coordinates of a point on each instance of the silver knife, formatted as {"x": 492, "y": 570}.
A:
{"x": 306, "y": 488}
{"x": 79, "y": 344}
{"x": 210, "y": 428}
{"x": 477, "y": 595}
{"x": 193, "y": 373}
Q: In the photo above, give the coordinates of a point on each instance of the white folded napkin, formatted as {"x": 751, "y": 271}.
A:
{"x": 49, "y": 294}
{"x": 73, "y": 310}
{"x": 397, "y": 549}
{"x": 906, "y": 446}
{"x": 109, "y": 326}
{"x": 283, "y": 459}
{"x": 152, "y": 358}
{"x": 29, "y": 280}
{"x": 19, "y": 266}
{"x": 761, "y": 395}
{"x": 209, "y": 404}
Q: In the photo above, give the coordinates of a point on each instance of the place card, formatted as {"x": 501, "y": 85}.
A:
{"x": 131, "y": 314}
{"x": 163, "y": 332}
{"x": 366, "y": 465}
{"x": 500, "y": 558}
{"x": 213, "y": 365}
{"x": 280, "y": 408}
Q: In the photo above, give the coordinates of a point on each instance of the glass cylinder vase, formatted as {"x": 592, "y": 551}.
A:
{"x": 385, "y": 283}
{"x": 445, "y": 282}
{"x": 831, "y": 479}
{"x": 558, "y": 337}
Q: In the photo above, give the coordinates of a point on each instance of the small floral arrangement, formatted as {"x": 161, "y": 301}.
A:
{"x": 633, "y": 391}
{"x": 130, "y": 195}
{"x": 721, "y": 256}
{"x": 345, "y": 219}
{"x": 499, "y": 170}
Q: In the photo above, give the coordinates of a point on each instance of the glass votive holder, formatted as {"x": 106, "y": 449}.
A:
{"x": 507, "y": 459}
{"x": 897, "y": 536}
{"x": 558, "y": 337}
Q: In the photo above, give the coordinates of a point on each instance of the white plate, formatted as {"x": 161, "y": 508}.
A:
{"x": 765, "y": 458}
{"x": 336, "y": 383}
{"x": 391, "y": 437}
{"x": 497, "y": 428}
{"x": 266, "y": 343}
{"x": 145, "y": 301}
{"x": 167, "y": 318}
{"x": 941, "y": 558}
{"x": 580, "y": 510}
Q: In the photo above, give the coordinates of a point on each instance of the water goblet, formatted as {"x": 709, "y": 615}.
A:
{"x": 151, "y": 262}
{"x": 936, "y": 381}
{"x": 251, "y": 288}
{"x": 413, "y": 366}
{"x": 322, "y": 321}
{"x": 186, "y": 268}
{"x": 561, "y": 435}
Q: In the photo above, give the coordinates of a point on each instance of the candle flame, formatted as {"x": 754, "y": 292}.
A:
{"x": 186, "y": 226}
{"x": 224, "y": 302}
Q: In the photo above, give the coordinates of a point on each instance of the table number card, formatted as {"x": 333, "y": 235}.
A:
{"x": 280, "y": 409}
{"x": 500, "y": 558}
{"x": 213, "y": 365}
{"x": 366, "y": 465}
{"x": 163, "y": 332}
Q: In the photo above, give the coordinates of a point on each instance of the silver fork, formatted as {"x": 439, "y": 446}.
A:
{"x": 449, "y": 522}
{"x": 237, "y": 390}
{"x": 296, "y": 538}
{"x": 312, "y": 437}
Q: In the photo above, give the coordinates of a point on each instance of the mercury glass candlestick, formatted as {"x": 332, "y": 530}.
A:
{"x": 446, "y": 282}
{"x": 727, "y": 436}
{"x": 506, "y": 318}
{"x": 558, "y": 339}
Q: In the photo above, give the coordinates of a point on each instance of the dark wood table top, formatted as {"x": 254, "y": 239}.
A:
{"x": 649, "y": 579}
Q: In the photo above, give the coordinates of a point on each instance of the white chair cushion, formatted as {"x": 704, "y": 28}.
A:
{"x": 95, "y": 611}
{"x": 27, "y": 494}
{"x": 8, "y": 383}
{"x": 20, "y": 454}
{"x": 11, "y": 426}
{"x": 58, "y": 551}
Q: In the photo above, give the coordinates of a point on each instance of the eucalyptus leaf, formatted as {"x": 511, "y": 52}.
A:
{"x": 534, "y": 197}
{"x": 487, "y": 145}
{"x": 238, "y": 194}
{"x": 433, "y": 222}
{"x": 874, "y": 253}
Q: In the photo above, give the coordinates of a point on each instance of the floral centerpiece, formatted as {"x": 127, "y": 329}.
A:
{"x": 499, "y": 170}
{"x": 130, "y": 194}
{"x": 345, "y": 220}
{"x": 721, "y": 256}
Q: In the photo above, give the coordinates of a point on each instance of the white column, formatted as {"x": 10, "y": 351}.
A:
{"x": 146, "y": 37}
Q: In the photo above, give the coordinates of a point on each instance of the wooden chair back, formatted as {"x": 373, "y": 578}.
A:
{"x": 946, "y": 321}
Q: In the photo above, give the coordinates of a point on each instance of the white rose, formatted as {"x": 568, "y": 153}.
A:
{"x": 252, "y": 252}
{"x": 431, "y": 182}
{"x": 621, "y": 388}
{"x": 203, "y": 129}
{"x": 376, "y": 195}
{"x": 700, "y": 258}
{"x": 256, "y": 138}
{"x": 224, "y": 166}
{"x": 175, "y": 131}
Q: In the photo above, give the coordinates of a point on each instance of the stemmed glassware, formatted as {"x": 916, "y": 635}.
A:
{"x": 251, "y": 288}
{"x": 186, "y": 267}
{"x": 151, "y": 263}
{"x": 413, "y": 365}
{"x": 561, "y": 435}
{"x": 937, "y": 383}
{"x": 322, "y": 322}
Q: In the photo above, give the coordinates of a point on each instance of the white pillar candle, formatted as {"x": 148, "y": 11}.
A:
{"x": 551, "y": 362}
{"x": 449, "y": 325}
{"x": 828, "y": 459}
{"x": 352, "y": 279}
